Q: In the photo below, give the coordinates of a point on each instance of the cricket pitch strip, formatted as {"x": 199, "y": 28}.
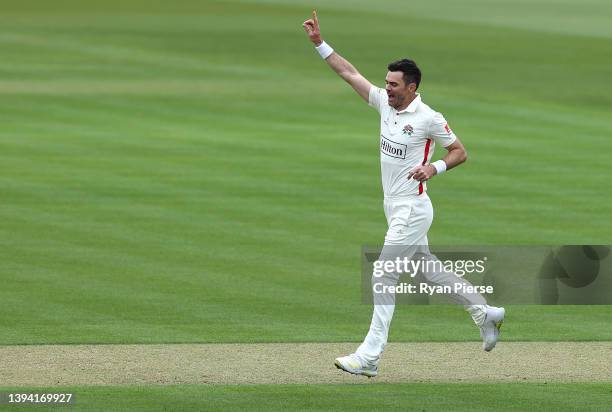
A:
{"x": 287, "y": 363}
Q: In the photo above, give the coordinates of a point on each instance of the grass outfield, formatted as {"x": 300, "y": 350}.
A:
{"x": 415, "y": 396}
{"x": 170, "y": 177}
{"x": 193, "y": 172}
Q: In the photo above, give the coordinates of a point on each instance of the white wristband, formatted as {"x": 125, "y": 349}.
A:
{"x": 440, "y": 166}
{"x": 324, "y": 50}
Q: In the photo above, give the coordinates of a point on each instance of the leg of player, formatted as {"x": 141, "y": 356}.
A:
{"x": 488, "y": 318}
{"x": 365, "y": 360}
{"x": 409, "y": 220}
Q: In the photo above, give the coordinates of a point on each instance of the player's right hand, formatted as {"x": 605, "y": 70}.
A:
{"x": 311, "y": 26}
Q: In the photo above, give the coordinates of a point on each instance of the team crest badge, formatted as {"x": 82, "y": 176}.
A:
{"x": 408, "y": 130}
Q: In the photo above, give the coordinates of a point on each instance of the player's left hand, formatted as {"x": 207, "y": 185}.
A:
{"x": 422, "y": 173}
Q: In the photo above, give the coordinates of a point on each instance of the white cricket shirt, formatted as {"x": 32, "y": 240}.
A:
{"x": 407, "y": 139}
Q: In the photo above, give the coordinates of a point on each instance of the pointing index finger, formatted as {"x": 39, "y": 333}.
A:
{"x": 314, "y": 17}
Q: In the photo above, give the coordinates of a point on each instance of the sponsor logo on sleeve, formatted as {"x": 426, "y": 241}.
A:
{"x": 391, "y": 148}
{"x": 448, "y": 129}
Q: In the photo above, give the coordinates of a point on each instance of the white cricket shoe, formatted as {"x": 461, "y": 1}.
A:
{"x": 489, "y": 331}
{"x": 352, "y": 364}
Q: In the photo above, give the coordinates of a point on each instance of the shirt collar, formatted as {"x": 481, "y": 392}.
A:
{"x": 413, "y": 105}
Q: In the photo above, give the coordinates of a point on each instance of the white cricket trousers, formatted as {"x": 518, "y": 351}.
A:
{"x": 409, "y": 219}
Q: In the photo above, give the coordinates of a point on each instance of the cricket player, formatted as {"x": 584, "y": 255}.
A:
{"x": 409, "y": 130}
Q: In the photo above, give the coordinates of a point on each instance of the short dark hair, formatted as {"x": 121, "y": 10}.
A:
{"x": 412, "y": 73}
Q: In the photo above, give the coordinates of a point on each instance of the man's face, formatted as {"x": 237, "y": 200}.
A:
{"x": 398, "y": 91}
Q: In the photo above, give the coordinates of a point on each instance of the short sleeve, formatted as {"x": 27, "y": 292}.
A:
{"x": 440, "y": 131}
{"x": 376, "y": 97}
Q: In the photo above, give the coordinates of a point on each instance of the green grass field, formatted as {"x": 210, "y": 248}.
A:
{"x": 193, "y": 172}
{"x": 421, "y": 397}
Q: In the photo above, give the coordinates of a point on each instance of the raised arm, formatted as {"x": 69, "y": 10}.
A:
{"x": 339, "y": 64}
